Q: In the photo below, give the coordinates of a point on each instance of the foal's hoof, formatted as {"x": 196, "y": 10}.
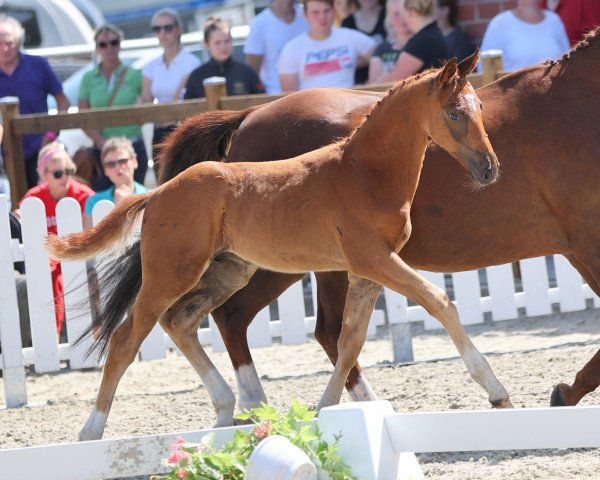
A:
{"x": 502, "y": 403}
{"x": 560, "y": 395}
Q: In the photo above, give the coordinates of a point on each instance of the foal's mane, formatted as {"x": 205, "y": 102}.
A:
{"x": 394, "y": 89}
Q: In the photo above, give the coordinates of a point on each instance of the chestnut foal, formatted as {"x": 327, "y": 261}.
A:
{"x": 344, "y": 207}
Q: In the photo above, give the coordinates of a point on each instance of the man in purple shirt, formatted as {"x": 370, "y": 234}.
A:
{"x": 31, "y": 79}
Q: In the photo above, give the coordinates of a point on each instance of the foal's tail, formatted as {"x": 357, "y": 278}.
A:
{"x": 200, "y": 138}
{"x": 109, "y": 235}
{"x": 113, "y": 291}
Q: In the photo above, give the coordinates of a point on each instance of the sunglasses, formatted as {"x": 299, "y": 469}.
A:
{"x": 59, "y": 173}
{"x": 114, "y": 163}
{"x": 167, "y": 28}
{"x": 113, "y": 43}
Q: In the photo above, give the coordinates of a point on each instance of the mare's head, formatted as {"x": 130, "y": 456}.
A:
{"x": 455, "y": 123}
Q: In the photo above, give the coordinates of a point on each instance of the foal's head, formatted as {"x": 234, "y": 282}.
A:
{"x": 457, "y": 124}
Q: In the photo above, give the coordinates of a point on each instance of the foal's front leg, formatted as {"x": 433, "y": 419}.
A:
{"x": 360, "y": 301}
{"x": 390, "y": 270}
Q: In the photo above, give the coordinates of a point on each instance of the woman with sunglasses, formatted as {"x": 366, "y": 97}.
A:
{"x": 119, "y": 163}
{"x": 111, "y": 83}
{"x": 163, "y": 77}
{"x": 56, "y": 169}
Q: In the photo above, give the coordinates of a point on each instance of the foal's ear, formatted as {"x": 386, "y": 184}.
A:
{"x": 468, "y": 64}
{"x": 447, "y": 73}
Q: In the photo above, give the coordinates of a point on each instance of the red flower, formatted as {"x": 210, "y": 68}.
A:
{"x": 263, "y": 430}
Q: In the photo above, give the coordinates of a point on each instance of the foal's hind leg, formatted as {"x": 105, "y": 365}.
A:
{"x": 389, "y": 269}
{"x": 123, "y": 347}
{"x": 224, "y": 276}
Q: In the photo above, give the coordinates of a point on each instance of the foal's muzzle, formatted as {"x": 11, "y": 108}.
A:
{"x": 484, "y": 168}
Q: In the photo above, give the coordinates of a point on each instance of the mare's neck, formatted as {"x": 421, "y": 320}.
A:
{"x": 391, "y": 143}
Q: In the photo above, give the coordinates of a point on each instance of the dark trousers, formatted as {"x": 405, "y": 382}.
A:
{"x": 31, "y": 170}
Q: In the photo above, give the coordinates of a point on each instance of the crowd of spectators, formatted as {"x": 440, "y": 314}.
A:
{"x": 319, "y": 43}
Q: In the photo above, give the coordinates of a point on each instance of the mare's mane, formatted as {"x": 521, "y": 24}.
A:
{"x": 585, "y": 42}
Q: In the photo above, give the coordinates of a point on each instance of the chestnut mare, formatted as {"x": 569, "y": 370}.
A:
{"x": 544, "y": 125}
{"x": 344, "y": 207}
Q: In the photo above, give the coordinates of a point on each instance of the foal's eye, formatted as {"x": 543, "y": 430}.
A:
{"x": 454, "y": 116}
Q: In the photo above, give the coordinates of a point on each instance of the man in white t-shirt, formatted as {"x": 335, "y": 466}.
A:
{"x": 269, "y": 32}
{"x": 325, "y": 56}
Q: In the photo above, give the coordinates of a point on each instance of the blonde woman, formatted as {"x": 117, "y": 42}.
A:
{"x": 56, "y": 169}
{"x": 163, "y": 77}
{"x": 426, "y": 47}
{"x": 112, "y": 83}
{"x": 385, "y": 55}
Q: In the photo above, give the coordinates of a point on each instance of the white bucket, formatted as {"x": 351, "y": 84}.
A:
{"x": 276, "y": 458}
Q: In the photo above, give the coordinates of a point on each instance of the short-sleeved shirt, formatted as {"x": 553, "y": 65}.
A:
{"x": 96, "y": 91}
{"x": 325, "y": 63}
{"x": 378, "y": 34}
{"x": 77, "y": 190}
{"x": 428, "y": 45}
{"x": 267, "y": 37}
{"x": 165, "y": 79}
{"x": 388, "y": 54}
{"x": 241, "y": 79}
{"x": 32, "y": 81}
{"x": 109, "y": 194}
{"x": 524, "y": 44}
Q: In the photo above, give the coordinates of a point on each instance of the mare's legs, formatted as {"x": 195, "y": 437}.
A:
{"x": 389, "y": 269}
{"x": 331, "y": 296}
{"x": 155, "y": 296}
{"x": 233, "y": 318}
{"x": 588, "y": 378}
{"x": 225, "y": 275}
{"x": 360, "y": 300}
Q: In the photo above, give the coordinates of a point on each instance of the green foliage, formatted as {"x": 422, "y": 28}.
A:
{"x": 204, "y": 462}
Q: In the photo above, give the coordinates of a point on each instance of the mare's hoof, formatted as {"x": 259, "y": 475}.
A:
{"x": 240, "y": 421}
{"x": 559, "y": 395}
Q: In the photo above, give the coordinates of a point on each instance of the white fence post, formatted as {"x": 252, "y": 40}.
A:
{"x": 292, "y": 314}
{"x": 68, "y": 220}
{"x": 501, "y": 285}
{"x": 534, "y": 275}
{"x": 39, "y": 286}
{"x": 13, "y": 370}
{"x": 468, "y": 297}
{"x": 570, "y": 286}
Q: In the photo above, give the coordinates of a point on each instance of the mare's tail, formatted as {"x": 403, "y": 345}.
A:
{"x": 109, "y": 235}
{"x": 200, "y": 138}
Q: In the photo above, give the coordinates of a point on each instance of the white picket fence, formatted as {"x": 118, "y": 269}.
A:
{"x": 291, "y": 327}
{"x": 376, "y": 442}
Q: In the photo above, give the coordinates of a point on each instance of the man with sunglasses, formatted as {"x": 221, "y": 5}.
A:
{"x": 111, "y": 83}
{"x": 31, "y": 79}
{"x": 119, "y": 162}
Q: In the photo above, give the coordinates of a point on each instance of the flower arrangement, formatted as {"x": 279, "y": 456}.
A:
{"x": 204, "y": 462}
